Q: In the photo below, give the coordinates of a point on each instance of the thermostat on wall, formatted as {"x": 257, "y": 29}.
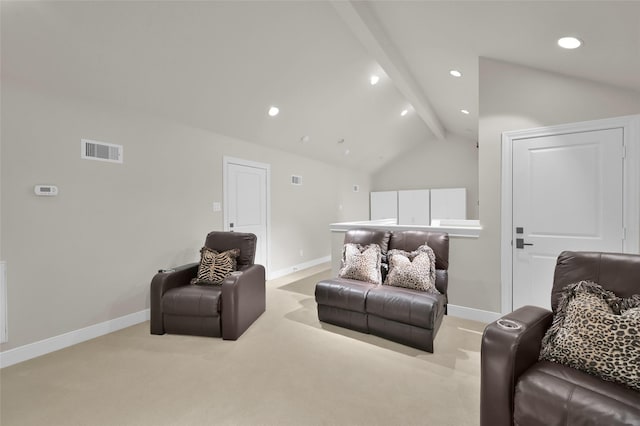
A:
{"x": 47, "y": 190}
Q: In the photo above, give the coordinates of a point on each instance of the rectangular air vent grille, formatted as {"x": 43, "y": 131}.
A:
{"x": 101, "y": 151}
{"x": 296, "y": 180}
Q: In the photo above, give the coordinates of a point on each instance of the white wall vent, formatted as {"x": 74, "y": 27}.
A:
{"x": 101, "y": 151}
{"x": 296, "y": 180}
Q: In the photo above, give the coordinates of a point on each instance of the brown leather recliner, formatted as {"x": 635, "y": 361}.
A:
{"x": 226, "y": 311}
{"x": 406, "y": 316}
{"x": 517, "y": 389}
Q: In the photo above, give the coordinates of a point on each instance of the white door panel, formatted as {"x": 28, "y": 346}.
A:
{"x": 567, "y": 195}
{"x": 535, "y": 288}
{"x": 246, "y": 198}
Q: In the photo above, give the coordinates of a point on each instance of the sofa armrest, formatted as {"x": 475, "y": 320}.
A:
{"x": 505, "y": 354}
{"x": 243, "y": 300}
{"x": 160, "y": 284}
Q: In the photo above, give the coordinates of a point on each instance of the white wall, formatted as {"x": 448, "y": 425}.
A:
{"x": 451, "y": 163}
{"x": 88, "y": 255}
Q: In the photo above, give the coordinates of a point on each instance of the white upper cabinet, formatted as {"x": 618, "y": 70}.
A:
{"x": 448, "y": 203}
{"x": 414, "y": 207}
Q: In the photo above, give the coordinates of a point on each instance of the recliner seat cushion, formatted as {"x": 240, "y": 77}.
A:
{"x": 551, "y": 394}
{"x": 199, "y": 301}
{"x": 406, "y": 306}
{"x": 343, "y": 293}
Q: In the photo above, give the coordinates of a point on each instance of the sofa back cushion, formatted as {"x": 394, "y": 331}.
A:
{"x": 364, "y": 237}
{"x": 613, "y": 271}
{"x": 222, "y": 241}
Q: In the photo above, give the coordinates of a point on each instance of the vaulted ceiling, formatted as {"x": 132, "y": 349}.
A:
{"x": 220, "y": 65}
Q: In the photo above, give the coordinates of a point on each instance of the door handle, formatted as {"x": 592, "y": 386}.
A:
{"x": 520, "y": 243}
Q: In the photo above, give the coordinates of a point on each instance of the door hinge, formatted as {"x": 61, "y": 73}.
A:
{"x": 624, "y": 234}
{"x": 624, "y": 151}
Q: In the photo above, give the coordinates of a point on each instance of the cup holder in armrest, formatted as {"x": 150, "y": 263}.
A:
{"x": 508, "y": 324}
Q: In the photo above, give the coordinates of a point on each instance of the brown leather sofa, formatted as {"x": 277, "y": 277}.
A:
{"x": 406, "y": 316}
{"x": 517, "y": 389}
{"x": 226, "y": 311}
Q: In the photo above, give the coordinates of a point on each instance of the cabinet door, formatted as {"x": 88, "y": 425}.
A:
{"x": 384, "y": 205}
{"x": 449, "y": 203}
{"x": 414, "y": 207}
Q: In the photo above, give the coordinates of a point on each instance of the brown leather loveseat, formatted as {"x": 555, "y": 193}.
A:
{"x": 518, "y": 389}
{"x": 407, "y": 316}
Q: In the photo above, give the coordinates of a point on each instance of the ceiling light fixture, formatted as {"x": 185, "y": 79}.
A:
{"x": 464, "y": 111}
{"x": 374, "y": 80}
{"x": 569, "y": 42}
{"x": 455, "y": 73}
{"x": 404, "y": 112}
{"x": 273, "y": 111}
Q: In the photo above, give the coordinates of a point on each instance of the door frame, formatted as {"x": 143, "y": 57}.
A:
{"x": 226, "y": 160}
{"x": 631, "y": 187}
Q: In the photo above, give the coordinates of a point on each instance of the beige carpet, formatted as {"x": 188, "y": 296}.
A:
{"x": 287, "y": 369}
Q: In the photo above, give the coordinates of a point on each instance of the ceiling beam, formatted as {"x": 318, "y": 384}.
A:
{"x": 367, "y": 28}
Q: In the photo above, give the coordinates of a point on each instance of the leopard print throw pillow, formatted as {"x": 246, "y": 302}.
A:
{"x": 596, "y": 332}
{"x": 215, "y": 267}
{"x": 415, "y": 270}
{"x": 361, "y": 263}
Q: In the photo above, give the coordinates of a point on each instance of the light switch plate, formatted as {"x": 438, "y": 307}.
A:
{"x": 217, "y": 206}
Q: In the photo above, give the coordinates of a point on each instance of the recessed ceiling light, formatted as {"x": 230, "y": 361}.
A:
{"x": 273, "y": 111}
{"x": 464, "y": 111}
{"x": 347, "y": 152}
{"x": 404, "y": 112}
{"x": 569, "y": 42}
{"x": 374, "y": 79}
{"x": 455, "y": 73}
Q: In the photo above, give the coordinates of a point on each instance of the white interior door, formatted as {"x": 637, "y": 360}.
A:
{"x": 246, "y": 202}
{"x": 567, "y": 195}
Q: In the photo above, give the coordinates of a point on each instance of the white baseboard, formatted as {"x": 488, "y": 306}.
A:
{"x": 472, "y": 314}
{"x": 295, "y": 268}
{"x": 52, "y": 344}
